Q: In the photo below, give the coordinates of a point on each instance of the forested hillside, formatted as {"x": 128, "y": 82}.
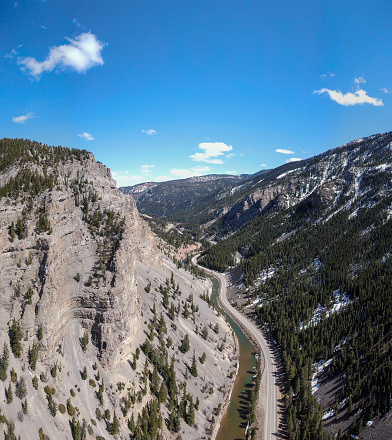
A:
{"x": 318, "y": 269}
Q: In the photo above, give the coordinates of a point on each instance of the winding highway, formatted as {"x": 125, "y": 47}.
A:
{"x": 268, "y": 387}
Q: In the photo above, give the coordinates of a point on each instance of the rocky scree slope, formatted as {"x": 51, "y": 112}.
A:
{"x": 81, "y": 276}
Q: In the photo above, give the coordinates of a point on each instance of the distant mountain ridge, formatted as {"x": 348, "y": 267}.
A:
{"x": 166, "y": 198}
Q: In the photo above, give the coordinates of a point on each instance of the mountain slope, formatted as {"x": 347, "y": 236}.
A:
{"x": 314, "y": 251}
{"x": 166, "y": 198}
{"x": 79, "y": 270}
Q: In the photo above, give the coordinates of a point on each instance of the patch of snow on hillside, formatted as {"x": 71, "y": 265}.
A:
{"x": 255, "y": 302}
{"x": 340, "y": 301}
{"x": 264, "y": 275}
{"x": 318, "y": 368}
{"x": 328, "y": 414}
{"x": 285, "y": 174}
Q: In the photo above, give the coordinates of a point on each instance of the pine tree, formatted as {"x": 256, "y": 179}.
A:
{"x": 194, "y": 366}
{"x": 162, "y": 396}
{"x": 10, "y": 395}
{"x": 174, "y": 421}
{"x": 84, "y": 373}
{"x": 84, "y": 341}
{"x": 203, "y": 358}
{"x": 16, "y": 337}
{"x": 114, "y": 427}
{"x": 4, "y": 361}
{"x": 190, "y": 415}
{"x": 40, "y": 333}
{"x": 21, "y": 389}
{"x": 33, "y": 356}
{"x": 154, "y": 382}
{"x": 185, "y": 345}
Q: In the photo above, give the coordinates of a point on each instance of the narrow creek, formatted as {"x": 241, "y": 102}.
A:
{"x": 234, "y": 422}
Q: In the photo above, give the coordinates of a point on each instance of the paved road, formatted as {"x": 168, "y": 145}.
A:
{"x": 268, "y": 387}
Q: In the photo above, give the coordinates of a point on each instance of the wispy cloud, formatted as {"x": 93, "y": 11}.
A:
{"x": 81, "y": 54}
{"x": 263, "y": 165}
{"x": 359, "y": 80}
{"x": 123, "y": 178}
{"x": 11, "y": 55}
{"x": 43, "y": 27}
{"x": 186, "y": 173}
{"x": 281, "y": 150}
{"x": 327, "y": 75}
{"x": 293, "y": 159}
{"x": 76, "y": 22}
{"x": 86, "y": 136}
{"x": 232, "y": 173}
{"x": 211, "y": 151}
{"x": 385, "y": 90}
{"x": 22, "y": 119}
{"x": 146, "y": 169}
{"x": 349, "y": 99}
{"x": 149, "y": 131}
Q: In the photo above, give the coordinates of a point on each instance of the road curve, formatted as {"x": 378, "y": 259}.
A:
{"x": 268, "y": 387}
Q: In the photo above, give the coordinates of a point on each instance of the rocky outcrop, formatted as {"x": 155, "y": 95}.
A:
{"x": 73, "y": 266}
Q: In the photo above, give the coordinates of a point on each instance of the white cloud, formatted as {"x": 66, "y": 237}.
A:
{"x": 81, "y": 54}
{"x": 359, "y": 80}
{"x": 230, "y": 155}
{"x": 211, "y": 151}
{"x": 293, "y": 159}
{"x": 146, "y": 169}
{"x": 263, "y": 165}
{"x": 385, "y": 90}
{"x": 149, "y": 131}
{"x": 348, "y": 99}
{"x": 280, "y": 150}
{"x": 86, "y": 136}
{"x": 22, "y": 119}
{"x": 43, "y": 27}
{"x": 232, "y": 173}
{"x": 185, "y": 173}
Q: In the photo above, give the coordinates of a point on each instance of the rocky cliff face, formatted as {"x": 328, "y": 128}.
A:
{"x": 69, "y": 251}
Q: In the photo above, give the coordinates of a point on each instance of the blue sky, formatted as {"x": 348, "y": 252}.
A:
{"x": 159, "y": 90}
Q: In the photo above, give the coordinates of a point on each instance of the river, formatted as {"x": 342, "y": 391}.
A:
{"x": 234, "y": 422}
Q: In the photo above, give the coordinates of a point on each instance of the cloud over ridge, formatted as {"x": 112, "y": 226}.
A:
{"x": 211, "y": 151}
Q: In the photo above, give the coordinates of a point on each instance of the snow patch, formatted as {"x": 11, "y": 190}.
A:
{"x": 318, "y": 368}
{"x": 340, "y": 301}
{"x": 285, "y": 174}
{"x": 328, "y": 414}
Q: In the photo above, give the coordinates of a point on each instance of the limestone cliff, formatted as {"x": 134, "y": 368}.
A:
{"x": 69, "y": 242}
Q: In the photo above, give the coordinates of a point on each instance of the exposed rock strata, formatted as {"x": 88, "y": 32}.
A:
{"x": 57, "y": 264}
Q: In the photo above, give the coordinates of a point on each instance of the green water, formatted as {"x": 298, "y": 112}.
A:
{"x": 235, "y": 420}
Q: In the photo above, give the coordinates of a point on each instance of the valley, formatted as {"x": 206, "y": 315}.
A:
{"x": 108, "y": 330}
